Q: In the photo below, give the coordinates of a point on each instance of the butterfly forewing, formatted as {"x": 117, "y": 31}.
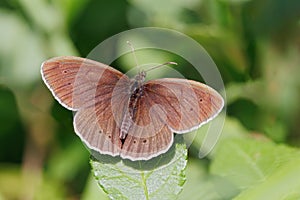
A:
{"x": 187, "y": 104}
{"x": 78, "y": 82}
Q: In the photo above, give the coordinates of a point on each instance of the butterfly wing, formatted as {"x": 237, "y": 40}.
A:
{"x": 78, "y": 82}
{"x": 94, "y": 90}
{"x": 187, "y": 104}
{"x": 166, "y": 106}
{"x": 148, "y": 135}
{"x": 98, "y": 134}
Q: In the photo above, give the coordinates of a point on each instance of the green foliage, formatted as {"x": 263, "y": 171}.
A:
{"x": 252, "y": 164}
{"x": 159, "y": 178}
{"x": 255, "y": 45}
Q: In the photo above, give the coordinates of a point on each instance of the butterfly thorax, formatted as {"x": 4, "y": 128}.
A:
{"x": 138, "y": 80}
{"x": 136, "y": 92}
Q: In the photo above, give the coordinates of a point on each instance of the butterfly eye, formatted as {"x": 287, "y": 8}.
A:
{"x": 134, "y": 141}
{"x": 144, "y": 141}
{"x": 201, "y": 100}
{"x": 65, "y": 71}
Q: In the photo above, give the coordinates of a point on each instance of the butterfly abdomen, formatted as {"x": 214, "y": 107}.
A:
{"x": 130, "y": 112}
{"x": 126, "y": 123}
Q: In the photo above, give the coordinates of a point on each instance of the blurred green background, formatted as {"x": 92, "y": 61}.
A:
{"x": 254, "y": 43}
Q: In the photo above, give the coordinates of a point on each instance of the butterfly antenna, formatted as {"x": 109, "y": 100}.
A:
{"x": 133, "y": 53}
{"x": 167, "y": 63}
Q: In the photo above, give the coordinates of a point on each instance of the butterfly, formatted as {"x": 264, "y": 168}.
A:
{"x": 131, "y": 118}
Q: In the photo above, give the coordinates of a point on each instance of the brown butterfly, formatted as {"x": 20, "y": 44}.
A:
{"x": 131, "y": 118}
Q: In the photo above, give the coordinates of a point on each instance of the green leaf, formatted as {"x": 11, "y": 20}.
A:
{"x": 284, "y": 183}
{"x": 158, "y": 178}
{"x": 247, "y": 163}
